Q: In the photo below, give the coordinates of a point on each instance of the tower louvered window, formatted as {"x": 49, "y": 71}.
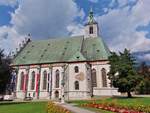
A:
{"x": 94, "y": 79}
{"x": 76, "y": 69}
{"x": 91, "y": 30}
{"x": 33, "y": 80}
{"x": 104, "y": 77}
{"x": 44, "y": 80}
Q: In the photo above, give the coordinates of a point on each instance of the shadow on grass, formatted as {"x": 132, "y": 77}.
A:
{"x": 12, "y": 103}
{"x": 122, "y": 97}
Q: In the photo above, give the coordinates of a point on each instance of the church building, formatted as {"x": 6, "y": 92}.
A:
{"x": 69, "y": 68}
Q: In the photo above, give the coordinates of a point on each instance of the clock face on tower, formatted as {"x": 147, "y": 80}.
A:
{"x": 80, "y": 76}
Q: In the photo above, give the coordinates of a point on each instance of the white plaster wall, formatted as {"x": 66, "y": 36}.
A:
{"x": 106, "y": 91}
{"x": 83, "y": 85}
{"x": 95, "y": 31}
{"x": 44, "y": 95}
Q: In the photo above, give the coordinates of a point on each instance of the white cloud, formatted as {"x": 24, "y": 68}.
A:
{"x": 44, "y": 18}
{"x": 8, "y": 2}
{"x": 41, "y": 18}
{"x": 75, "y": 29}
{"x": 9, "y": 38}
{"x": 118, "y": 27}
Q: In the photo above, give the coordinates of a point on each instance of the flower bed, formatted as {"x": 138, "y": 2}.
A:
{"x": 114, "y": 107}
{"x": 53, "y": 108}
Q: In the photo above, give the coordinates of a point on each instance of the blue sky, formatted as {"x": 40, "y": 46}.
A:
{"x": 122, "y": 23}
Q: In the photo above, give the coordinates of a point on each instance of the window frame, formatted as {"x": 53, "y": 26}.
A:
{"x": 76, "y": 85}
{"x": 45, "y": 75}
{"x": 104, "y": 77}
{"x": 33, "y": 75}
{"x": 94, "y": 78}
{"x": 57, "y": 78}
{"x": 21, "y": 81}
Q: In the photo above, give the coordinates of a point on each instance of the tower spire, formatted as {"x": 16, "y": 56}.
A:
{"x": 91, "y": 28}
{"x": 91, "y": 16}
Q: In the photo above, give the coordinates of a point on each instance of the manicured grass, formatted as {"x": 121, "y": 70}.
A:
{"x": 118, "y": 100}
{"x": 129, "y": 101}
{"x": 29, "y": 107}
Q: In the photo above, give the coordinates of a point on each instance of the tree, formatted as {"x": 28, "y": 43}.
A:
{"x": 144, "y": 85}
{"x": 122, "y": 72}
{"x": 5, "y": 71}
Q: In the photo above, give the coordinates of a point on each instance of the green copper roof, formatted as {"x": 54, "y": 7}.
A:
{"x": 77, "y": 57}
{"x": 95, "y": 49}
{"x": 62, "y": 50}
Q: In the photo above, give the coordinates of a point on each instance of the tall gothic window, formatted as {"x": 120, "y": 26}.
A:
{"x": 94, "y": 80}
{"x": 76, "y": 69}
{"x": 57, "y": 79}
{"x": 104, "y": 77}
{"x": 33, "y": 80}
{"x": 22, "y": 80}
{"x": 91, "y": 30}
{"x": 44, "y": 80}
{"x": 76, "y": 85}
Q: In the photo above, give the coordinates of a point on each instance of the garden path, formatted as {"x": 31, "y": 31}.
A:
{"x": 75, "y": 109}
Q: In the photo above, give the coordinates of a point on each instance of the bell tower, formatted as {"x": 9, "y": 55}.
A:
{"x": 91, "y": 27}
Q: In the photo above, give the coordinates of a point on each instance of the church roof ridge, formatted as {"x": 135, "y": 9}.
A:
{"x": 58, "y": 38}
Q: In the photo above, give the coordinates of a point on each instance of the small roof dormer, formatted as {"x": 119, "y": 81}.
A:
{"x": 91, "y": 27}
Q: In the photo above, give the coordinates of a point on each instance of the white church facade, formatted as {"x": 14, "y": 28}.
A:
{"x": 69, "y": 68}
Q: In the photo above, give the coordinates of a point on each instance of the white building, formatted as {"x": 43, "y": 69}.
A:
{"x": 69, "y": 68}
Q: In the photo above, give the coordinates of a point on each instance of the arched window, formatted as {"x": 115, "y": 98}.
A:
{"x": 76, "y": 69}
{"x": 94, "y": 80}
{"x": 76, "y": 85}
{"x": 104, "y": 77}
{"x": 57, "y": 79}
{"x": 44, "y": 80}
{"x": 22, "y": 80}
{"x": 91, "y": 30}
{"x": 33, "y": 80}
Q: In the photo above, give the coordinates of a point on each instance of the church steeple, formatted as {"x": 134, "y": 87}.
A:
{"x": 91, "y": 28}
{"x": 91, "y": 17}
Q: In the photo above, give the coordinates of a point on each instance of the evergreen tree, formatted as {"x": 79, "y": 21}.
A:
{"x": 144, "y": 85}
{"x": 5, "y": 71}
{"x": 122, "y": 72}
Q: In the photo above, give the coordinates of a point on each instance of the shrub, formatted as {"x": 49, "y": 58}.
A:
{"x": 53, "y": 108}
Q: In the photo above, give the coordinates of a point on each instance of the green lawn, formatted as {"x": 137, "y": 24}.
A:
{"x": 29, "y": 107}
{"x": 119, "y": 100}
